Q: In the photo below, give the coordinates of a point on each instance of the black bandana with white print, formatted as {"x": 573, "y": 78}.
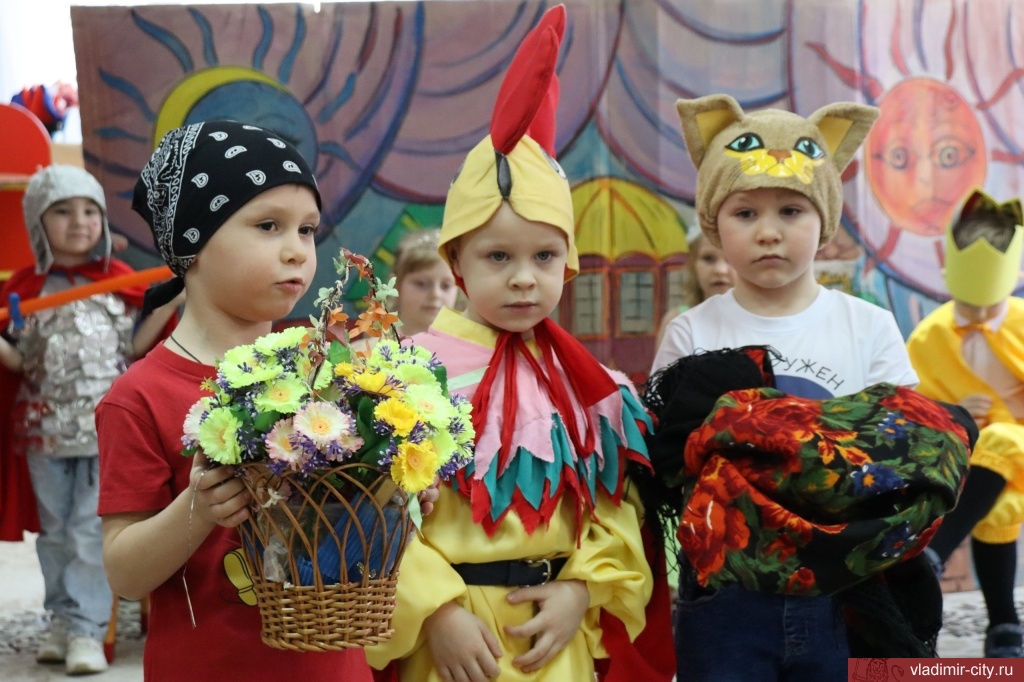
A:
{"x": 198, "y": 177}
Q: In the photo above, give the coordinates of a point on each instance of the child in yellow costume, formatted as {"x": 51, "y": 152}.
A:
{"x": 970, "y": 351}
{"x": 532, "y": 565}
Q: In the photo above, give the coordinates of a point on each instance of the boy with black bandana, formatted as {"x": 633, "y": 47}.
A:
{"x": 234, "y": 210}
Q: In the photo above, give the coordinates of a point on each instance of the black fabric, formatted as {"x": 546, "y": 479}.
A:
{"x": 198, "y": 177}
{"x": 680, "y": 397}
{"x": 962, "y": 417}
{"x": 510, "y": 573}
{"x": 996, "y": 568}
{"x": 980, "y": 491}
{"x": 897, "y": 614}
{"x": 160, "y": 295}
{"x": 504, "y": 175}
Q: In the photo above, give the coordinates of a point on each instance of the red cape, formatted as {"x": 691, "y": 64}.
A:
{"x": 651, "y": 657}
{"x": 18, "y": 511}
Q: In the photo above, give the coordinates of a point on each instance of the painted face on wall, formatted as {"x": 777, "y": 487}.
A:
{"x": 924, "y": 154}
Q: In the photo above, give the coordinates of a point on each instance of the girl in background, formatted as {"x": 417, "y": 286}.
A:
{"x": 424, "y": 281}
{"x": 710, "y": 275}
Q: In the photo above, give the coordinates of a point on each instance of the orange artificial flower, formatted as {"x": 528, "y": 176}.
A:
{"x": 361, "y": 262}
{"x": 369, "y": 319}
{"x": 337, "y": 317}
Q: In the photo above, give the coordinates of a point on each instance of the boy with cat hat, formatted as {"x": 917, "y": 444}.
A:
{"x": 770, "y": 194}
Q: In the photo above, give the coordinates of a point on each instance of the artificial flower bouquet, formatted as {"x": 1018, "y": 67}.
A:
{"x": 333, "y": 438}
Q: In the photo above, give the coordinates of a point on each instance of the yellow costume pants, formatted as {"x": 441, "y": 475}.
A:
{"x": 1000, "y": 448}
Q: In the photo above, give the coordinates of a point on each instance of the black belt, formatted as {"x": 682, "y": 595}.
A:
{"x": 510, "y": 573}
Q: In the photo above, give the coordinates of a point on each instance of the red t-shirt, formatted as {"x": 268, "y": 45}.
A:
{"x": 139, "y": 423}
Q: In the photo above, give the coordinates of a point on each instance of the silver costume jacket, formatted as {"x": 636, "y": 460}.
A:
{"x": 71, "y": 356}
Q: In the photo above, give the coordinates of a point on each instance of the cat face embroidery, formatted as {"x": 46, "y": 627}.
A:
{"x": 755, "y": 158}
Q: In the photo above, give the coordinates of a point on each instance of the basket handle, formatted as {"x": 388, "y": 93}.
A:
{"x": 385, "y": 492}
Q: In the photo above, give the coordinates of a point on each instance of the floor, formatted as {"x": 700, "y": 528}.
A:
{"x": 22, "y": 623}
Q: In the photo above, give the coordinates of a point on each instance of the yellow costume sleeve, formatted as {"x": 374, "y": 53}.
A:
{"x": 611, "y": 561}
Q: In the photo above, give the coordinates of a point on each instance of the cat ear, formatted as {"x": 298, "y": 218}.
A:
{"x": 844, "y": 126}
{"x": 703, "y": 118}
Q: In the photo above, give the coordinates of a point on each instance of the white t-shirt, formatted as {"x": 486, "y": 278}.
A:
{"x": 838, "y": 345}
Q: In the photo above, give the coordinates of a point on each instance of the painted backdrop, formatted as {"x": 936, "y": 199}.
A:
{"x": 386, "y": 98}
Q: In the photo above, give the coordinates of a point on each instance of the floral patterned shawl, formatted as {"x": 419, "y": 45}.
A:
{"x": 800, "y": 496}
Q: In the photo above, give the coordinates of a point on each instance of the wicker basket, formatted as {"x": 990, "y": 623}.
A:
{"x": 325, "y": 564}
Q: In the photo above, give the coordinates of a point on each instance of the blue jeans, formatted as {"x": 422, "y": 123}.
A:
{"x": 737, "y": 635}
{"x": 70, "y": 546}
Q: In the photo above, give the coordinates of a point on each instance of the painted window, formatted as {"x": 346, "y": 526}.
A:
{"x": 675, "y": 288}
{"x": 636, "y": 302}
{"x": 588, "y": 304}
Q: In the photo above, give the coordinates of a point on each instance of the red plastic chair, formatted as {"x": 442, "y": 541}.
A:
{"x": 24, "y": 148}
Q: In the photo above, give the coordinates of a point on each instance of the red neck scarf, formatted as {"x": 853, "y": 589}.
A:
{"x": 589, "y": 383}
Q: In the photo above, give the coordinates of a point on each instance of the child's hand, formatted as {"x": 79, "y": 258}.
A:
{"x": 220, "y": 497}
{"x": 428, "y": 497}
{"x": 464, "y": 650}
{"x": 560, "y": 607}
{"x": 978, "y": 405}
{"x": 10, "y": 356}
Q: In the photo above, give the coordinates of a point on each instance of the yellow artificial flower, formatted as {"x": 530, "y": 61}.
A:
{"x": 330, "y": 393}
{"x": 465, "y": 434}
{"x": 344, "y": 369}
{"x": 417, "y": 353}
{"x": 398, "y": 414}
{"x": 289, "y": 338}
{"x": 242, "y": 366}
{"x": 218, "y": 436}
{"x": 415, "y": 466}
{"x": 305, "y": 368}
{"x": 383, "y": 355}
{"x": 324, "y": 376}
{"x": 373, "y": 382}
{"x": 433, "y": 406}
{"x": 412, "y": 373}
{"x": 444, "y": 444}
{"x": 284, "y": 395}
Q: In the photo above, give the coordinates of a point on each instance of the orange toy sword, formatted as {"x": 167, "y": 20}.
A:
{"x": 18, "y": 310}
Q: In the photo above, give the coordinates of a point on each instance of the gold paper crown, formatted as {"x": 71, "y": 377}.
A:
{"x": 980, "y": 274}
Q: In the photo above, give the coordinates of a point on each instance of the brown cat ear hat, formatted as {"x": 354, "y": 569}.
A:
{"x": 734, "y": 151}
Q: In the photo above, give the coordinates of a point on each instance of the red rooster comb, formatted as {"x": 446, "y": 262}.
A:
{"x": 528, "y": 96}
